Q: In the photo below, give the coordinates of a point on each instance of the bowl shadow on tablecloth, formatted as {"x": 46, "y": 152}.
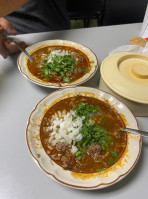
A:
{"x": 42, "y": 89}
{"x": 132, "y": 176}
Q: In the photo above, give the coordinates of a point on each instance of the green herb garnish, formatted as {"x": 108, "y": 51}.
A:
{"x": 66, "y": 79}
{"x": 79, "y": 95}
{"x": 100, "y": 170}
{"x": 114, "y": 154}
{"x": 110, "y": 161}
{"x": 57, "y": 64}
{"x": 78, "y": 155}
{"x": 86, "y": 70}
{"x": 92, "y": 134}
{"x": 83, "y": 109}
{"x": 57, "y": 131}
{"x": 102, "y": 120}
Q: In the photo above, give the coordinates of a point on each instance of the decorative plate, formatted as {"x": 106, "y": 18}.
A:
{"x": 92, "y": 60}
{"x": 80, "y": 180}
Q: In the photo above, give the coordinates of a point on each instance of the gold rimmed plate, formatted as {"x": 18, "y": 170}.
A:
{"x": 89, "y": 55}
{"x": 86, "y": 181}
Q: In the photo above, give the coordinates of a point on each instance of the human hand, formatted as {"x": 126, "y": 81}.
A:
{"x": 6, "y": 46}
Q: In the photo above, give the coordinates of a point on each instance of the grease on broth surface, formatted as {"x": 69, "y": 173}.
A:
{"x": 89, "y": 144}
{"x": 76, "y": 64}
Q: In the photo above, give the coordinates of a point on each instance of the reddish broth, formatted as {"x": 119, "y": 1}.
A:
{"x": 87, "y": 164}
{"x": 40, "y": 55}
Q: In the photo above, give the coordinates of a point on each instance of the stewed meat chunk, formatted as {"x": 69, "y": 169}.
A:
{"x": 94, "y": 151}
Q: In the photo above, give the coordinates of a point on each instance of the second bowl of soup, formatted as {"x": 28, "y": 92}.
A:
{"x": 58, "y": 63}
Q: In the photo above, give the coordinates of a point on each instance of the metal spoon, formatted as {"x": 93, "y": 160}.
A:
{"x": 21, "y": 48}
{"x": 136, "y": 132}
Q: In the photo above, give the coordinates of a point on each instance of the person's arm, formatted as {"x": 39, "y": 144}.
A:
{"x": 6, "y": 46}
{"x": 8, "y": 6}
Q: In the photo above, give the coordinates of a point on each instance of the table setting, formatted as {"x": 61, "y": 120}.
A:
{"x": 27, "y": 101}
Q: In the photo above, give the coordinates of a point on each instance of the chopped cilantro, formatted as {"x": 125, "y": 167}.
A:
{"x": 110, "y": 161}
{"x": 78, "y": 95}
{"x": 91, "y": 133}
{"x": 100, "y": 170}
{"x": 114, "y": 154}
{"x": 78, "y": 155}
{"x": 83, "y": 109}
{"x": 102, "y": 119}
{"x": 60, "y": 65}
{"x": 86, "y": 70}
{"x": 67, "y": 79}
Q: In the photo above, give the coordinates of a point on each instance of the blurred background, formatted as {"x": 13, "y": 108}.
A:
{"x": 92, "y": 13}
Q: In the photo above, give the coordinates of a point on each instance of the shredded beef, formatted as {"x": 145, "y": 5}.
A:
{"x": 60, "y": 146}
{"x": 56, "y": 156}
{"x": 94, "y": 151}
{"x": 67, "y": 160}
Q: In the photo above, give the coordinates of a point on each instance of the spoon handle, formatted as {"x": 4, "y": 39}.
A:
{"x": 22, "y": 49}
{"x": 136, "y": 132}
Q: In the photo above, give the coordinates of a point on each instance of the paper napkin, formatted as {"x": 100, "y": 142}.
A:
{"x": 136, "y": 48}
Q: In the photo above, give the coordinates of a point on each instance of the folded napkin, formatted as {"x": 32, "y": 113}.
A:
{"x": 131, "y": 48}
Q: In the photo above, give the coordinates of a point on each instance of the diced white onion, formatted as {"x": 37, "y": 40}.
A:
{"x": 65, "y": 129}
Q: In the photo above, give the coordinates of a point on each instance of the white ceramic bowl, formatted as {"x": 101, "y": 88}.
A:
{"x": 79, "y": 180}
{"x": 22, "y": 63}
